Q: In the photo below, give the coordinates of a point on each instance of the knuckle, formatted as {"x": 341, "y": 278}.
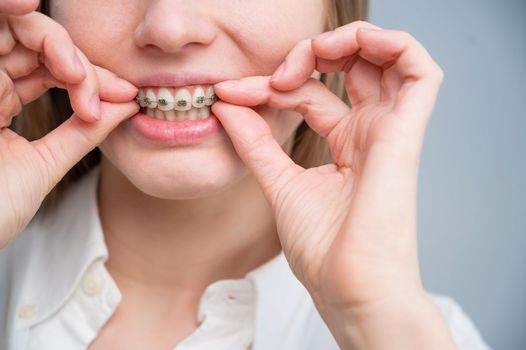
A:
{"x": 49, "y": 162}
{"x": 10, "y": 104}
{"x": 440, "y": 73}
{"x": 405, "y": 35}
{"x": 25, "y": 6}
{"x": 437, "y": 74}
{"x": 6, "y": 45}
{"x": 361, "y": 23}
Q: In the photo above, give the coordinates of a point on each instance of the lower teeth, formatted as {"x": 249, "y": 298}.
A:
{"x": 173, "y": 115}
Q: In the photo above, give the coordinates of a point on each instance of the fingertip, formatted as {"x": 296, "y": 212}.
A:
{"x": 279, "y": 73}
{"x": 127, "y": 87}
{"x": 79, "y": 67}
{"x": 287, "y": 83}
{"x": 322, "y": 38}
{"x": 20, "y": 7}
{"x": 218, "y": 108}
{"x": 94, "y": 106}
{"x": 368, "y": 30}
{"x": 279, "y": 85}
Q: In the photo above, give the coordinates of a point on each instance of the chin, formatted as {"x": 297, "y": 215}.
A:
{"x": 172, "y": 173}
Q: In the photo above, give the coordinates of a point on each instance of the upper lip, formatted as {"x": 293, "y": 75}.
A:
{"x": 175, "y": 79}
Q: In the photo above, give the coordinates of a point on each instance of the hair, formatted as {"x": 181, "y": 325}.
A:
{"x": 52, "y": 108}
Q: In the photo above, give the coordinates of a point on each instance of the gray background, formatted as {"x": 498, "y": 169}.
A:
{"x": 471, "y": 201}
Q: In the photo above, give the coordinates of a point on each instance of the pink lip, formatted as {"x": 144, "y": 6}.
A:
{"x": 176, "y": 79}
{"x": 174, "y": 133}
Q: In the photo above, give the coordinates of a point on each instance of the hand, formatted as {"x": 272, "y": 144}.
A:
{"x": 348, "y": 229}
{"x": 36, "y": 54}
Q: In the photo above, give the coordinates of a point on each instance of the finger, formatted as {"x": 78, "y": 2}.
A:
{"x": 63, "y": 147}
{"x": 296, "y": 69}
{"x": 259, "y": 150}
{"x": 421, "y": 75}
{"x": 386, "y": 48}
{"x": 321, "y": 109}
{"x": 113, "y": 88}
{"x": 7, "y": 42}
{"x": 99, "y": 84}
{"x": 363, "y": 83}
{"x": 19, "y": 62}
{"x": 32, "y": 86}
{"x": 18, "y": 7}
{"x": 11, "y": 104}
{"x": 340, "y": 42}
{"x": 302, "y": 60}
{"x": 84, "y": 97}
{"x": 41, "y": 34}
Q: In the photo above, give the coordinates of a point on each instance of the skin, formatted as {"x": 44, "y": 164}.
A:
{"x": 348, "y": 229}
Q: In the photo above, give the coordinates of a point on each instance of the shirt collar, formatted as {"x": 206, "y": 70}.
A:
{"x": 59, "y": 248}
{"x": 65, "y": 243}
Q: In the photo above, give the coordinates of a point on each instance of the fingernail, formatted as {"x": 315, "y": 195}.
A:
{"x": 78, "y": 65}
{"x": 94, "y": 106}
{"x": 279, "y": 72}
{"x": 227, "y": 85}
{"x": 323, "y": 36}
{"x": 368, "y": 30}
{"x": 126, "y": 85}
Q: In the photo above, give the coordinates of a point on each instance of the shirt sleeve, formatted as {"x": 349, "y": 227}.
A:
{"x": 463, "y": 330}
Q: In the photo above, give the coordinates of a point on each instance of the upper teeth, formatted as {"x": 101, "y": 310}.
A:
{"x": 180, "y": 99}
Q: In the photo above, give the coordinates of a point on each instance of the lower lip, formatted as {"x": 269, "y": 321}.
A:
{"x": 175, "y": 133}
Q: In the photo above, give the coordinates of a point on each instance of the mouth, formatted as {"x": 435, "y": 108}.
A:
{"x": 176, "y": 109}
{"x": 176, "y": 116}
{"x": 191, "y": 102}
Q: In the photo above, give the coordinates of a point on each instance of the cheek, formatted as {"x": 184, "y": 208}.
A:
{"x": 266, "y": 31}
{"x": 97, "y": 25}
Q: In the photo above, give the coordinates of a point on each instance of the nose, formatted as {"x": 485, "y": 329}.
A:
{"x": 170, "y": 26}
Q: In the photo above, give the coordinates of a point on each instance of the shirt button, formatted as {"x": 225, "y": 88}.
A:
{"x": 27, "y": 311}
{"x": 92, "y": 284}
{"x": 231, "y": 299}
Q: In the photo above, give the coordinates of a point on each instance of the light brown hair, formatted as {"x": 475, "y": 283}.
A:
{"x": 309, "y": 149}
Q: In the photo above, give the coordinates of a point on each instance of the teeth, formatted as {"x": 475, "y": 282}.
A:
{"x": 198, "y": 99}
{"x": 165, "y": 100}
{"x": 141, "y": 98}
{"x": 180, "y": 115}
{"x": 159, "y": 114}
{"x": 183, "y": 100}
{"x": 173, "y": 115}
{"x": 151, "y": 99}
{"x": 192, "y": 114}
{"x": 170, "y": 115}
{"x": 203, "y": 113}
{"x": 209, "y": 96}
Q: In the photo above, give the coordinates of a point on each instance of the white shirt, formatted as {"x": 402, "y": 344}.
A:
{"x": 55, "y": 293}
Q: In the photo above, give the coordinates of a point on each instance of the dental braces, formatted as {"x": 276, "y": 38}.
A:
{"x": 180, "y": 103}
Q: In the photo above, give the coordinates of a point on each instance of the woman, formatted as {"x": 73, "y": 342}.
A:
{"x": 229, "y": 230}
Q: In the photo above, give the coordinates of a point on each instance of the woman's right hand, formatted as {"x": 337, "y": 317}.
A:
{"x": 36, "y": 53}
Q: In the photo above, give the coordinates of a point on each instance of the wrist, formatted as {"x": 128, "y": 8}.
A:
{"x": 410, "y": 322}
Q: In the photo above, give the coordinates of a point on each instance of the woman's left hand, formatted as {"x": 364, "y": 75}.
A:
{"x": 347, "y": 229}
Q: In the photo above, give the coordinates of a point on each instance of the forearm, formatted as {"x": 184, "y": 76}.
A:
{"x": 408, "y": 324}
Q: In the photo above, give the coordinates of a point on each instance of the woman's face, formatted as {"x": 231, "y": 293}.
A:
{"x": 149, "y": 43}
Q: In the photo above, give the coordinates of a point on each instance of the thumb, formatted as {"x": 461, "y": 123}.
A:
{"x": 64, "y": 146}
{"x": 257, "y": 148}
